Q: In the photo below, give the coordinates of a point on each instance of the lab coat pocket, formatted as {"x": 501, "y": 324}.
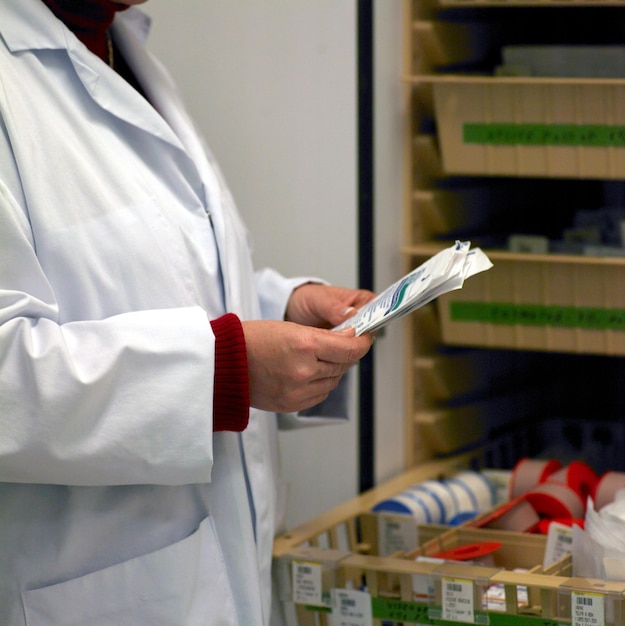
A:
{"x": 184, "y": 584}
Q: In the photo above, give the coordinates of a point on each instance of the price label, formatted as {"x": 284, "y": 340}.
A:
{"x": 559, "y": 543}
{"x": 396, "y": 535}
{"x": 587, "y": 609}
{"x": 307, "y": 583}
{"x": 458, "y": 600}
{"x": 351, "y": 608}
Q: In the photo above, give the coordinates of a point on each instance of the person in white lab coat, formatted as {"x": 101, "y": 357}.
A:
{"x": 137, "y": 487}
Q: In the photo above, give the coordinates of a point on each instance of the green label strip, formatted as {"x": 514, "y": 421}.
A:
{"x": 589, "y": 135}
{"x": 419, "y": 613}
{"x": 538, "y": 315}
{"x": 398, "y": 611}
{"x": 318, "y": 609}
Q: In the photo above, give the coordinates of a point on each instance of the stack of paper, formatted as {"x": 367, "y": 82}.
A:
{"x": 445, "y": 271}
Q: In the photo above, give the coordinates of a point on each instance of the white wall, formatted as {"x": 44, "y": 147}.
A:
{"x": 272, "y": 85}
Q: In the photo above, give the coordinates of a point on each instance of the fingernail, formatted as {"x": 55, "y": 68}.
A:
{"x": 348, "y": 311}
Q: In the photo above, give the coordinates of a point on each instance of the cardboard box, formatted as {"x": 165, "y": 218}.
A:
{"x": 551, "y": 303}
{"x": 524, "y": 126}
{"x": 522, "y": 3}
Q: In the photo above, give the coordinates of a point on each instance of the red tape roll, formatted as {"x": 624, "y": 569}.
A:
{"x": 518, "y": 515}
{"x": 528, "y": 473}
{"x": 606, "y": 488}
{"x": 555, "y": 500}
{"x": 579, "y": 476}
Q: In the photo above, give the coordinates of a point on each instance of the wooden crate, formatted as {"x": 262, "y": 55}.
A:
{"x": 400, "y": 590}
{"x": 335, "y": 559}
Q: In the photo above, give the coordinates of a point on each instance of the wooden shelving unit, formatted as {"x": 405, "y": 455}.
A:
{"x": 545, "y": 330}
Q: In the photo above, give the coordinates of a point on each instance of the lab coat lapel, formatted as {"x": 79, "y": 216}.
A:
{"x": 109, "y": 91}
{"x": 30, "y": 28}
{"x": 238, "y": 279}
{"x": 233, "y": 245}
{"x": 164, "y": 96}
{"x": 154, "y": 80}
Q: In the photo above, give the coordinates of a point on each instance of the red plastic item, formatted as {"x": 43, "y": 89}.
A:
{"x": 543, "y": 525}
{"x": 480, "y": 551}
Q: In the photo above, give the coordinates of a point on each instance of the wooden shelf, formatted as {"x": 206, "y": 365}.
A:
{"x": 427, "y": 250}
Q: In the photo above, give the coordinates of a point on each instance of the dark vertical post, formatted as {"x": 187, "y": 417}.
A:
{"x": 366, "y": 229}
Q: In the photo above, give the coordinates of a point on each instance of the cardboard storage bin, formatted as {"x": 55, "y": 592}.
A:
{"x": 320, "y": 587}
{"x": 540, "y": 302}
{"x": 514, "y": 550}
{"x": 456, "y": 594}
{"x": 531, "y": 127}
{"x": 336, "y": 559}
{"x": 350, "y": 527}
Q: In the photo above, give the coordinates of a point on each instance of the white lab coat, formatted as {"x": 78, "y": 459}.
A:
{"x": 118, "y": 503}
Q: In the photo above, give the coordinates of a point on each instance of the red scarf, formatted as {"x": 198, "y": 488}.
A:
{"x": 88, "y": 20}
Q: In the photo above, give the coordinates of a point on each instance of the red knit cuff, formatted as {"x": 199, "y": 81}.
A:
{"x": 231, "y": 395}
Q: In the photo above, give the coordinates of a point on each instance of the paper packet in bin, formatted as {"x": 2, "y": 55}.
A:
{"x": 599, "y": 549}
{"x": 445, "y": 271}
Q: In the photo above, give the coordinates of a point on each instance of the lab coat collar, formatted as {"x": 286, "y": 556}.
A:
{"x": 26, "y": 25}
{"x": 29, "y": 25}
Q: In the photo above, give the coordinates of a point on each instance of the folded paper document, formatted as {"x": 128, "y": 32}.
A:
{"x": 445, "y": 271}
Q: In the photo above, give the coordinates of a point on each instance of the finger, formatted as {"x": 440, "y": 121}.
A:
{"x": 343, "y": 310}
{"x": 327, "y": 370}
{"x": 337, "y": 348}
{"x": 314, "y": 393}
{"x": 313, "y": 401}
{"x": 319, "y": 389}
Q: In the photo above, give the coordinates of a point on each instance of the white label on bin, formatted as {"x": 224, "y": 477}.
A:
{"x": 559, "y": 543}
{"x": 396, "y": 535}
{"x": 458, "y": 600}
{"x": 351, "y": 607}
{"x": 587, "y": 609}
{"x": 307, "y": 583}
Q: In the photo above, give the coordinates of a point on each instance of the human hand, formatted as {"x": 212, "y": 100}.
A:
{"x": 325, "y": 306}
{"x": 293, "y": 367}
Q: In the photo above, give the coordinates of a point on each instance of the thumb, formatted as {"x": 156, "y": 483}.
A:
{"x": 341, "y": 313}
{"x": 348, "y": 331}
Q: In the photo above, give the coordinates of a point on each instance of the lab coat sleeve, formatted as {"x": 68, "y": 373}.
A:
{"x": 275, "y": 291}
{"x": 122, "y": 400}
